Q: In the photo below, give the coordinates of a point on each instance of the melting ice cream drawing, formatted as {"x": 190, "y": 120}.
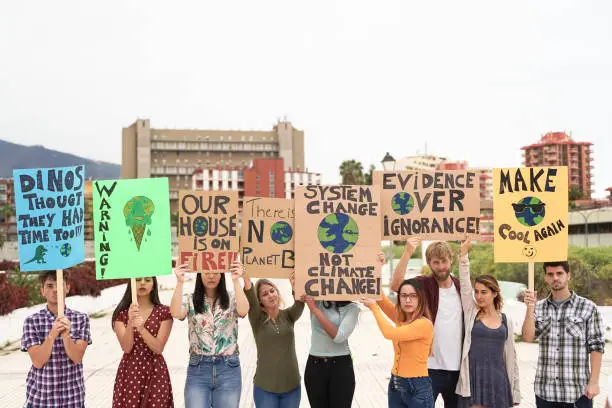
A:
{"x": 138, "y": 212}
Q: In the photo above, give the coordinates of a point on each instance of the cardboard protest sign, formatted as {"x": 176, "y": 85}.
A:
{"x": 267, "y": 237}
{"x": 208, "y": 230}
{"x": 433, "y": 205}
{"x": 49, "y": 205}
{"x": 337, "y": 239}
{"x": 132, "y": 228}
{"x": 530, "y": 211}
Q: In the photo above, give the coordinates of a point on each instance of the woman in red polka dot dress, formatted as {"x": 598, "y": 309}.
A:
{"x": 142, "y": 329}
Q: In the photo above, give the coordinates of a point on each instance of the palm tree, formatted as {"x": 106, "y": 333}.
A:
{"x": 367, "y": 178}
{"x": 351, "y": 172}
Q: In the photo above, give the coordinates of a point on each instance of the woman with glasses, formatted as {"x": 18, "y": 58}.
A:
{"x": 412, "y": 337}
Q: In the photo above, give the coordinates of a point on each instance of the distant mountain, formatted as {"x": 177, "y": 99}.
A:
{"x": 16, "y": 156}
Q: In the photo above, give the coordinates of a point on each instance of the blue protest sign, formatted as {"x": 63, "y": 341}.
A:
{"x": 49, "y": 205}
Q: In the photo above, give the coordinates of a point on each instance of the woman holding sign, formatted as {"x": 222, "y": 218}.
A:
{"x": 412, "y": 337}
{"x": 214, "y": 375}
{"x": 489, "y": 370}
{"x": 142, "y": 330}
{"x": 277, "y": 377}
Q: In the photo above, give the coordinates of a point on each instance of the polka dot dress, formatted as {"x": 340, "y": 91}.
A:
{"x": 142, "y": 379}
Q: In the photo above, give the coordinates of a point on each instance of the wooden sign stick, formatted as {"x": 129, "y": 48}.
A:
{"x": 59, "y": 280}
{"x": 531, "y": 281}
{"x": 134, "y": 295}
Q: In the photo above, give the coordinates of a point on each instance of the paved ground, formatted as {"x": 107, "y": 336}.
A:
{"x": 373, "y": 356}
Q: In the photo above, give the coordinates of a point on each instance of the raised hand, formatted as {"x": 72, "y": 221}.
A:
{"x": 310, "y": 302}
{"x": 380, "y": 257}
{"x": 530, "y": 298}
{"x": 412, "y": 243}
{"x": 237, "y": 270}
{"x": 179, "y": 271}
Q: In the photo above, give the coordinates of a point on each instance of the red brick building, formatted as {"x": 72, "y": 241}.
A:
{"x": 559, "y": 149}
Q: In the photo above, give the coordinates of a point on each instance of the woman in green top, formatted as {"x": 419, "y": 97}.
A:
{"x": 277, "y": 377}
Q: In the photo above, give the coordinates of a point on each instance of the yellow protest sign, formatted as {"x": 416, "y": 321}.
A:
{"x": 530, "y": 214}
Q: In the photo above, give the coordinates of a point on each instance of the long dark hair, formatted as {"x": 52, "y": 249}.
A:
{"x": 126, "y": 300}
{"x": 199, "y": 294}
{"x": 422, "y": 309}
{"x": 491, "y": 283}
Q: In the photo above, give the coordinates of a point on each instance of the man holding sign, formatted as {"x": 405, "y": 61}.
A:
{"x": 55, "y": 345}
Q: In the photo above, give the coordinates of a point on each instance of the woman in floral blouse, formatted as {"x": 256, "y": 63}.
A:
{"x": 213, "y": 375}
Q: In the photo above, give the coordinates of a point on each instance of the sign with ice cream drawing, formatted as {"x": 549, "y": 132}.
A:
{"x": 132, "y": 228}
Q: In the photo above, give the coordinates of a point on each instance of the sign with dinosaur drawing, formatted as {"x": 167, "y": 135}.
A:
{"x": 49, "y": 213}
{"x": 132, "y": 228}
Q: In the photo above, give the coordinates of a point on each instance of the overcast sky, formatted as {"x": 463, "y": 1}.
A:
{"x": 471, "y": 80}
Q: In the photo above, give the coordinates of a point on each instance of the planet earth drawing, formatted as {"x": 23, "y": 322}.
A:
{"x": 338, "y": 233}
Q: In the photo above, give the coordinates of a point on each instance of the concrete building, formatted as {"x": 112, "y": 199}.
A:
{"x": 8, "y": 225}
{"x": 592, "y": 227}
{"x": 262, "y": 178}
{"x": 424, "y": 162}
{"x": 177, "y": 153}
{"x": 559, "y": 149}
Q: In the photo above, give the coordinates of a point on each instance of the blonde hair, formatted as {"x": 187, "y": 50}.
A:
{"x": 263, "y": 281}
{"x": 438, "y": 249}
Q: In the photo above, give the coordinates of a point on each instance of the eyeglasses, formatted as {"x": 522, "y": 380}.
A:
{"x": 536, "y": 208}
{"x": 410, "y": 296}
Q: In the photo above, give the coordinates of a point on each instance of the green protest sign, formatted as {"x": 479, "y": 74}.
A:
{"x": 132, "y": 228}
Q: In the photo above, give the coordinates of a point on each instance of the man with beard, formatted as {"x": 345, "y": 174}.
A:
{"x": 571, "y": 337}
{"x": 443, "y": 297}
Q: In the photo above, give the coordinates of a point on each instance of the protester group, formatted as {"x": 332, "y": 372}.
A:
{"x": 450, "y": 336}
{"x": 447, "y": 342}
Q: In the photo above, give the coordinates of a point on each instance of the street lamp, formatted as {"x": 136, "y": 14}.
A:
{"x": 388, "y": 164}
{"x": 586, "y": 223}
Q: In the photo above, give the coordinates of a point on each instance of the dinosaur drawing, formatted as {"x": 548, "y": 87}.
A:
{"x": 39, "y": 255}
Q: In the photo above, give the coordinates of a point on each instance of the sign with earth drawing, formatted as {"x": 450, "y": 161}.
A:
{"x": 432, "y": 205}
{"x": 530, "y": 211}
{"x": 132, "y": 228}
{"x": 49, "y": 206}
{"x": 208, "y": 229}
{"x": 337, "y": 238}
{"x": 266, "y": 242}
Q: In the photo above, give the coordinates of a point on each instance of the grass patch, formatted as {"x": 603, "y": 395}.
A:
{"x": 97, "y": 315}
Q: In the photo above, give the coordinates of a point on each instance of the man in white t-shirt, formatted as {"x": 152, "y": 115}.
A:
{"x": 443, "y": 297}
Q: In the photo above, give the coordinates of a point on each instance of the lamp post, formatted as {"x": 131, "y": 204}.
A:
{"x": 586, "y": 224}
{"x": 388, "y": 164}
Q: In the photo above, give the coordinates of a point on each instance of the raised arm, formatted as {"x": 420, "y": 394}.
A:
{"x": 388, "y": 307}
{"x": 420, "y": 328}
{"x": 467, "y": 297}
{"x": 176, "y": 304}
{"x": 242, "y": 303}
{"x": 528, "y": 331}
{"x": 254, "y": 308}
{"x": 400, "y": 269}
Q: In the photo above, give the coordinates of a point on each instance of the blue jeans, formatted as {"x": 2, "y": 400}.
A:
{"x": 213, "y": 381}
{"x": 265, "y": 399}
{"x": 410, "y": 392}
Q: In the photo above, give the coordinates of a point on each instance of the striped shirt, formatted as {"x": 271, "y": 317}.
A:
{"x": 59, "y": 383}
{"x": 568, "y": 332}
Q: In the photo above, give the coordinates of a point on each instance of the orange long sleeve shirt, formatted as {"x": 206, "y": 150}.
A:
{"x": 411, "y": 342}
